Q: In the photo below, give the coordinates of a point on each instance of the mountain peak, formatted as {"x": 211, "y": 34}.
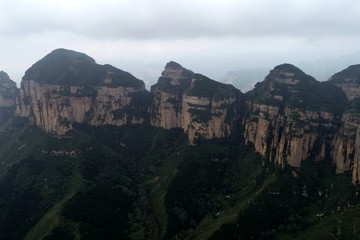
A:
{"x": 287, "y": 67}
{"x": 70, "y": 55}
{"x": 287, "y": 85}
{"x": 349, "y": 75}
{"x": 289, "y": 74}
{"x": 176, "y": 71}
{"x": 3, "y": 76}
{"x": 8, "y": 90}
{"x": 69, "y": 68}
{"x": 6, "y": 81}
{"x": 349, "y": 81}
{"x": 173, "y": 65}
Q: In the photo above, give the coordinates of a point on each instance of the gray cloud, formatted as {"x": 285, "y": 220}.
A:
{"x": 168, "y": 19}
{"x": 210, "y": 36}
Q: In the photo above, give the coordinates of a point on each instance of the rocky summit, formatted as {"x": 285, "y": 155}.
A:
{"x": 195, "y": 103}
{"x": 68, "y": 87}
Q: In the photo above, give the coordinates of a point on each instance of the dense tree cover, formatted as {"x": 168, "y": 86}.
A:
{"x": 301, "y": 91}
{"x": 70, "y": 68}
{"x": 141, "y": 182}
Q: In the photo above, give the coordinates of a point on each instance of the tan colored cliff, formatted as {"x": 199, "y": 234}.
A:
{"x": 168, "y": 96}
{"x": 8, "y": 91}
{"x": 288, "y": 136}
{"x": 291, "y": 118}
{"x": 206, "y": 117}
{"x": 54, "y": 107}
{"x": 176, "y": 104}
{"x": 324, "y": 126}
{"x": 345, "y": 149}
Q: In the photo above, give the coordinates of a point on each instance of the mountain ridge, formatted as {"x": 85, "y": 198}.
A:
{"x": 284, "y": 116}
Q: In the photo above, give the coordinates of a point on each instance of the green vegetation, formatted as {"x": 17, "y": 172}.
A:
{"x": 70, "y": 68}
{"x": 205, "y": 87}
{"x": 348, "y": 75}
{"x": 307, "y": 93}
{"x": 164, "y": 84}
{"x": 137, "y": 108}
{"x": 140, "y": 182}
{"x": 201, "y": 114}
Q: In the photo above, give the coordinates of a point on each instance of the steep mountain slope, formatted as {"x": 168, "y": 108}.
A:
{"x": 195, "y": 103}
{"x": 8, "y": 91}
{"x": 66, "y": 87}
{"x": 346, "y": 150}
{"x": 293, "y": 117}
{"x": 90, "y": 154}
{"x": 349, "y": 81}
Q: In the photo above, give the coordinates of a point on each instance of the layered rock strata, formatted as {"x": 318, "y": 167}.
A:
{"x": 107, "y": 96}
{"x": 193, "y": 102}
{"x": 289, "y": 117}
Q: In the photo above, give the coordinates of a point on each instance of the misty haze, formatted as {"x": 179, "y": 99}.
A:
{"x": 169, "y": 120}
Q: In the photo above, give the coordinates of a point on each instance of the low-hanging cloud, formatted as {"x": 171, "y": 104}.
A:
{"x": 160, "y": 19}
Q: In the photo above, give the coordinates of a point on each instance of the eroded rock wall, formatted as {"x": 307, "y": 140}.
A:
{"x": 54, "y": 107}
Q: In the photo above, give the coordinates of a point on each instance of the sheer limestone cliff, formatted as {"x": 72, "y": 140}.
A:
{"x": 346, "y": 144}
{"x": 195, "y": 103}
{"x": 289, "y": 136}
{"x": 76, "y": 89}
{"x": 67, "y": 87}
{"x": 291, "y": 117}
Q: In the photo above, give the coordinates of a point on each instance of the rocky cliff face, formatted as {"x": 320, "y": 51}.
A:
{"x": 289, "y": 136}
{"x": 67, "y": 87}
{"x": 8, "y": 91}
{"x": 346, "y": 143}
{"x": 289, "y": 117}
{"x": 193, "y": 102}
{"x": 76, "y": 89}
{"x": 292, "y": 117}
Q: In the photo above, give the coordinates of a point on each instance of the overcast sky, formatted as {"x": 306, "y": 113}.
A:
{"x": 207, "y": 36}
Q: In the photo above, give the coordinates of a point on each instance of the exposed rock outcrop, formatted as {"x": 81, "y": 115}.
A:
{"x": 289, "y": 117}
{"x": 67, "y": 87}
{"x": 292, "y": 117}
{"x": 289, "y": 136}
{"x": 346, "y": 143}
{"x": 287, "y": 120}
{"x": 195, "y": 103}
{"x": 76, "y": 89}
